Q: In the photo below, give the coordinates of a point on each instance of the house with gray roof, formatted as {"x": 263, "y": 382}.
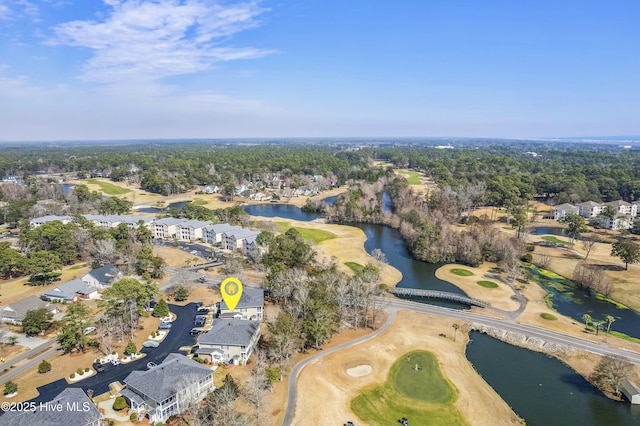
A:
{"x": 564, "y": 209}
{"x": 71, "y": 291}
{"x": 249, "y": 307}
{"x": 168, "y": 388}
{"x": 14, "y": 312}
{"x": 191, "y": 230}
{"x": 214, "y": 234}
{"x": 166, "y": 227}
{"x": 103, "y": 276}
{"x": 229, "y": 341}
{"x": 236, "y": 239}
{"x": 50, "y": 218}
{"x": 71, "y": 407}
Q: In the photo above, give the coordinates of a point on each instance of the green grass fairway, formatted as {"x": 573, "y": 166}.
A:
{"x": 354, "y": 266}
{"x": 555, "y": 240}
{"x": 413, "y": 178}
{"x": 199, "y": 202}
{"x": 309, "y": 234}
{"x": 487, "y": 284}
{"x": 423, "y": 396}
{"x": 462, "y": 272}
{"x": 548, "y": 317}
{"x": 109, "y": 188}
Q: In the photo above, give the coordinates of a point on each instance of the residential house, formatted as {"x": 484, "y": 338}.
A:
{"x": 249, "y": 307}
{"x": 133, "y": 222}
{"x": 229, "y": 341}
{"x": 235, "y": 239}
{"x": 590, "y": 209}
{"x": 71, "y": 291}
{"x": 191, "y": 230}
{"x": 210, "y": 189}
{"x": 103, "y": 276}
{"x": 624, "y": 208}
{"x": 166, "y": 227}
{"x": 619, "y": 222}
{"x": 71, "y": 407}
{"x": 50, "y": 218}
{"x": 168, "y": 388}
{"x": 14, "y": 313}
{"x": 564, "y": 209}
{"x": 214, "y": 234}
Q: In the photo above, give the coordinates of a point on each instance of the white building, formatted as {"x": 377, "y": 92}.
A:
{"x": 564, "y": 209}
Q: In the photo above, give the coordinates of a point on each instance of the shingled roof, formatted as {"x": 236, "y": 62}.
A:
{"x": 166, "y": 379}
{"x": 230, "y": 332}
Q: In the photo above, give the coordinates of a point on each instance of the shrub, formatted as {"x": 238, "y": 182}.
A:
{"x": 528, "y": 257}
{"x": 10, "y": 387}
{"x": 181, "y": 294}
{"x": 130, "y": 349}
{"x": 161, "y": 309}
{"x": 153, "y": 334}
{"x": 86, "y": 369}
{"x": 72, "y": 375}
{"x": 44, "y": 367}
{"x": 133, "y": 416}
{"x": 120, "y": 404}
{"x": 79, "y": 370}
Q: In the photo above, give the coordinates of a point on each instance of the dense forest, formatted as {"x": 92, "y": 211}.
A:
{"x": 560, "y": 173}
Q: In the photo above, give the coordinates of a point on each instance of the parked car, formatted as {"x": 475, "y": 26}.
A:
{"x": 164, "y": 326}
{"x": 115, "y": 362}
{"x": 195, "y": 331}
{"x": 89, "y": 330}
{"x": 151, "y": 344}
{"x": 150, "y": 365}
{"x": 98, "y": 367}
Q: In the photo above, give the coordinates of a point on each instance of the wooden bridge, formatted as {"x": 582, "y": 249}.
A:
{"x": 442, "y": 295}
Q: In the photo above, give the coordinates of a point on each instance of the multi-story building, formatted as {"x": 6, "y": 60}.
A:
{"x": 229, "y": 341}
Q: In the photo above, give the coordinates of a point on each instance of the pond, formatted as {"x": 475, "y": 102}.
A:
{"x": 573, "y": 301}
{"x": 549, "y": 230}
{"x": 546, "y": 392}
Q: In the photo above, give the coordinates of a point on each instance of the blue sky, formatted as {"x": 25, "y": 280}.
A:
{"x": 120, "y": 69}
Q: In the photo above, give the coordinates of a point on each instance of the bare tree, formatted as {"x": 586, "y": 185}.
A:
{"x": 588, "y": 245}
{"x": 610, "y": 372}
{"x": 257, "y": 385}
{"x": 543, "y": 259}
{"x": 379, "y": 256}
{"x": 104, "y": 251}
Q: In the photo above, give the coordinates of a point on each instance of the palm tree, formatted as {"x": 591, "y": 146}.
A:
{"x": 455, "y": 330}
{"x": 587, "y": 319}
{"x": 609, "y": 319}
{"x": 598, "y": 325}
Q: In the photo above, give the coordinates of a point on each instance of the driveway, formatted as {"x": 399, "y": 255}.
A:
{"x": 178, "y": 336}
{"x": 29, "y": 342}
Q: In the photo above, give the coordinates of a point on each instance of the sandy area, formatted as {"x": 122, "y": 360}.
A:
{"x": 360, "y": 370}
{"x": 326, "y": 388}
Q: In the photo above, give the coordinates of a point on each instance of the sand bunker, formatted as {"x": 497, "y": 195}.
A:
{"x": 359, "y": 371}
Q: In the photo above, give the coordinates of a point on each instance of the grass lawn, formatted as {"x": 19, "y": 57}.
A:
{"x": 555, "y": 240}
{"x": 354, "y": 266}
{"x": 547, "y": 316}
{"x": 199, "y": 202}
{"x": 487, "y": 284}
{"x": 315, "y": 235}
{"x": 413, "y": 178}
{"x": 423, "y": 396}
{"x": 109, "y": 188}
{"x": 462, "y": 272}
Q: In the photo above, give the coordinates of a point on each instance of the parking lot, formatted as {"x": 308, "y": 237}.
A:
{"x": 178, "y": 336}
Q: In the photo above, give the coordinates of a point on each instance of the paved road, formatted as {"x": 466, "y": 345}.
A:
{"x": 394, "y": 305}
{"x": 178, "y": 336}
{"x": 295, "y": 372}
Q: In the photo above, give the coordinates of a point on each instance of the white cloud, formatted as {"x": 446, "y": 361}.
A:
{"x": 5, "y": 12}
{"x": 143, "y": 40}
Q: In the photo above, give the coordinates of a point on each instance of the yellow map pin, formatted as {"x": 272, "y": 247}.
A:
{"x": 231, "y": 289}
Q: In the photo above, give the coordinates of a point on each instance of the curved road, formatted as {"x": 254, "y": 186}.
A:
{"x": 394, "y": 305}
